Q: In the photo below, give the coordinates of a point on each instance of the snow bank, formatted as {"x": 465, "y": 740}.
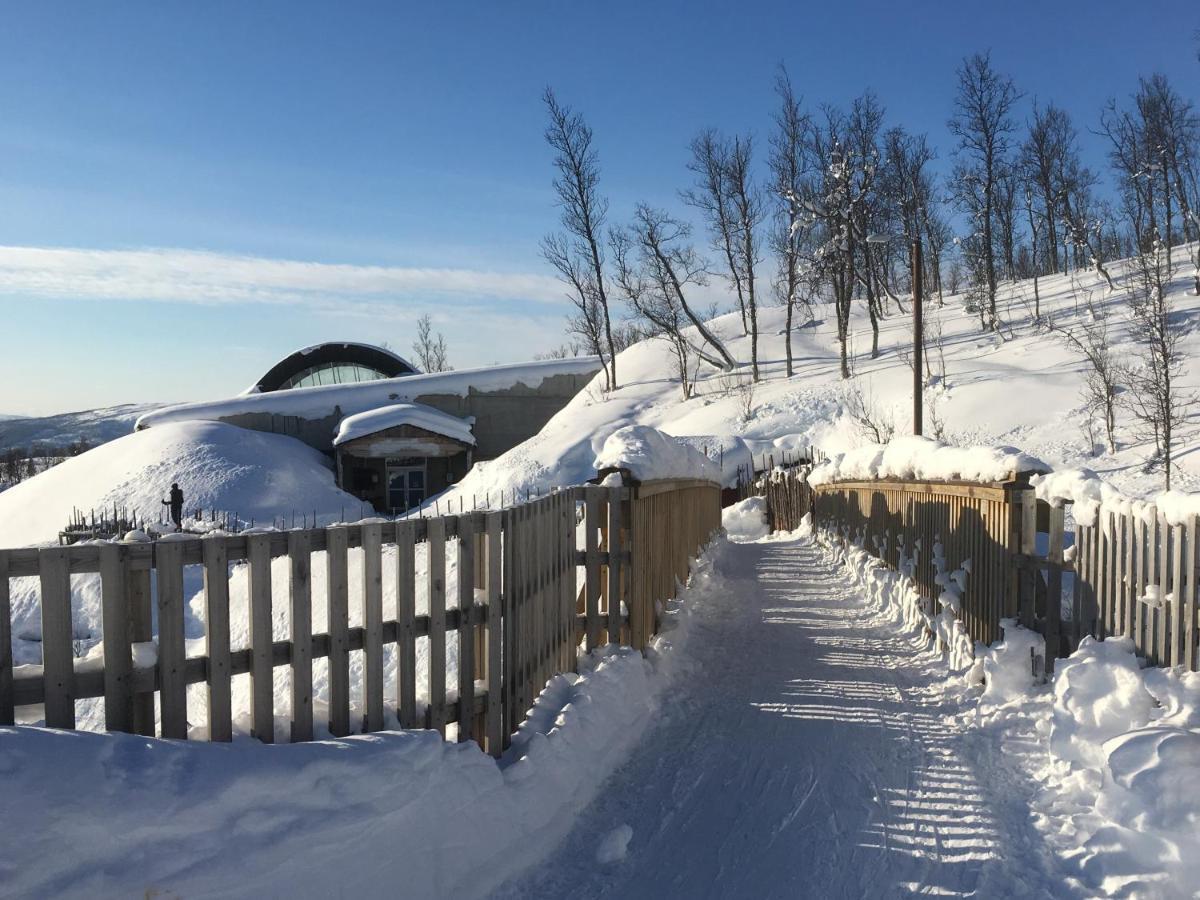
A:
{"x": 416, "y": 414}
{"x": 746, "y": 520}
{"x": 928, "y": 460}
{"x": 650, "y": 454}
{"x": 376, "y": 815}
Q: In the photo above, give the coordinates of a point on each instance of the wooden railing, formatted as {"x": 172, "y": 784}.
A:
{"x": 519, "y": 614}
{"x": 974, "y": 526}
{"x": 1127, "y": 573}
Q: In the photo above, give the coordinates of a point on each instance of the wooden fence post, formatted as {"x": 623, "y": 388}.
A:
{"x": 338, "y": 608}
{"x": 216, "y": 639}
{"x": 118, "y": 658}
{"x": 262, "y": 671}
{"x": 58, "y": 659}
{"x": 141, "y": 632}
{"x": 372, "y": 617}
{"x": 300, "y": 595}
{"x": 172, "y": 694}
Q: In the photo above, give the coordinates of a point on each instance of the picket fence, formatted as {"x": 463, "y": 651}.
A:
{"x": 530, "y": 596}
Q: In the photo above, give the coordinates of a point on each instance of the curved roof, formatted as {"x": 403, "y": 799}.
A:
{"x": 328, "y": 357}
{"x": 416, "y": 414}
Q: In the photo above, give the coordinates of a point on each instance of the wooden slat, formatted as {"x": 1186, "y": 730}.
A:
{"x": 508, "y": 654}
{"x": 495, "y": 704}
{"x": 614, "y": 565}
{"x": 172, "y": 694}
{"x": 1191, "y": 597}
{"x": 216, "y": 637}
{"x": 118, "y": 657}
{"x": 592, "y": 568}
{"x": 300, "y": 596}
{"x": 7, "y": 707}
{"x": 406, "y": 614}
{"x": 372, "y": 617}
{"x": 338, "y": 608}
{"x": 262, "y": 696}
{"x": 466, "y": 628}
{"x": 142, "y": 632}
{"x": 436, "y": 541}
{"x": 1173, "y": 613}
{"x": 1053, "y": 623}
{"x": 57, "y": 636}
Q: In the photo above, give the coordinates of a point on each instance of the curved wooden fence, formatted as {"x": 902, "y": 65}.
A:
{"x": 532, "y": 595}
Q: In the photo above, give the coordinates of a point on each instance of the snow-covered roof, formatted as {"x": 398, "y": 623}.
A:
{"x": 416, "y": 414}
{"x": 318, "y": 402}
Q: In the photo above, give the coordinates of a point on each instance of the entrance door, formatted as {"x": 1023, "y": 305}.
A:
{"x": 406, "y": 486}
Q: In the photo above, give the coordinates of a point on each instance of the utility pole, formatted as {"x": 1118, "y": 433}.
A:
{"x": 918, "y": 337}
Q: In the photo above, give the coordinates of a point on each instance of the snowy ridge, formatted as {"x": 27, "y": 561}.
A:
{"x": 415, "y": 414}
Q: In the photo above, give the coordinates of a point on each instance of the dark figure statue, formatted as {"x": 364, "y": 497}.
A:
{"x": 176, "y": 504}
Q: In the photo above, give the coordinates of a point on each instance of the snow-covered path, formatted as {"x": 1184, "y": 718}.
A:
{"x": 808, "y": 751}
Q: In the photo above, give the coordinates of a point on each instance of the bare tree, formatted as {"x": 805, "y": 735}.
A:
{"x": 429, "y": 348}
{"x": 653, "y": 268}
{"x": 788, "y": 235}
{"x": 1157, "y": 400}
{"x": 730, "y": 202}
{"x": 1104, "y": 373}
{"x": 578, "y": 254}
{"x": 983, "y": 124}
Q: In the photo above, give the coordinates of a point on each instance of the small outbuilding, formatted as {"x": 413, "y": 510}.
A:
{"x": 393, "y": 457}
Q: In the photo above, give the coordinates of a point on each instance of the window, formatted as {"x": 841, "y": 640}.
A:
{"x": 406, "y": 486}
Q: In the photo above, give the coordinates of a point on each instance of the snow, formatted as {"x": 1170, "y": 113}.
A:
{"x": 926, "y": 459}
{"x": 321, "y": 401}
{"x": 415, "y": 414}
{"x": 255, "y": 474}
{"x": 746, "y": 520}
{"x": 649, "y": 454}
{"x": 370, "y": 815}
{"x": 807, "y": 751}
{"x": 1100, "y": 753}
{"x": 614, "y": 845}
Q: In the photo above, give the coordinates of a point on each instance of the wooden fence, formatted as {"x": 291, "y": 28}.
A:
{"x": 519, "y": 613}
{"x": 1128, "y": 573}
{"x": 1137, "y": 575}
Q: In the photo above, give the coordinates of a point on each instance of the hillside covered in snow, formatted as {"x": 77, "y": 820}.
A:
{"x": 1020, "y": 386}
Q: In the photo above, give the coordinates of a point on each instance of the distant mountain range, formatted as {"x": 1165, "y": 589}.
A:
{"x": 96, "y": 426}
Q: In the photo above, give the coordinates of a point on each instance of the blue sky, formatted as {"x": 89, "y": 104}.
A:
{"x": 231, "y": 181}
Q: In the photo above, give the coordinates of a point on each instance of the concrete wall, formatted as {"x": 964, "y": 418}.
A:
{"x": 503, "y": 418}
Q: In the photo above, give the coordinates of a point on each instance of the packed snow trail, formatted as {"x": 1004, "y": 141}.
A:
{"x": 807, "y": 751}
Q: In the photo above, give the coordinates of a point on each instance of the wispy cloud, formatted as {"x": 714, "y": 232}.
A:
{"x": 193, "y": 276}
